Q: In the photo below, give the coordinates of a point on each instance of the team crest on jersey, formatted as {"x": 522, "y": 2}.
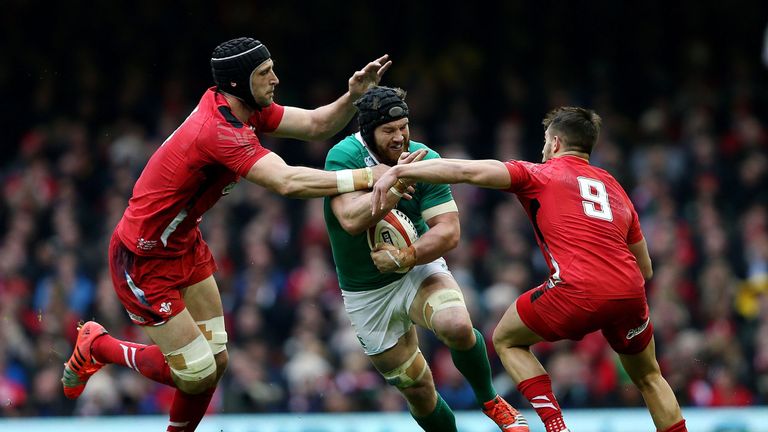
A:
{"x": 228, "y": 188}
{"x": 165, "y": 307}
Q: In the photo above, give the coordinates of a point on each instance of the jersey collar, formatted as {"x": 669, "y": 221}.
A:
{"x": 371, "y": 156}
{"x": 575, "y": 158}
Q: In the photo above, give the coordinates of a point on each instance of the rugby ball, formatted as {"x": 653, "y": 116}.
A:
{"x": 396, "y": 229}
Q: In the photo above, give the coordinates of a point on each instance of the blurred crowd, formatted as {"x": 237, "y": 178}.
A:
{"x": 685, "y": 134}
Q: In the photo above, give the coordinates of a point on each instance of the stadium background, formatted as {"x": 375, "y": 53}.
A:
{"x": 90, "y": 89}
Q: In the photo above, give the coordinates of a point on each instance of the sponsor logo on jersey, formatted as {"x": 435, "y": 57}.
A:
{"x": 637, "y": 330}
{"x": 369, "y": 162}
{"x": 145, "y": 245}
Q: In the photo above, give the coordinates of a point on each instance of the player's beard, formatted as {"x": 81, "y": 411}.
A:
{"x": 388, "y": 155}
{"x": 265, "y": 100}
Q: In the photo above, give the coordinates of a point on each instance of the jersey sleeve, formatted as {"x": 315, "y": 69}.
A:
{"x": 635, "y": 234}
{"x": 340, "y": 158}
{"x": 521, "y": 177}
{"x": 235, "y": 148}
{"x": 435, "y": 198}
{"x": 268, "y": 119}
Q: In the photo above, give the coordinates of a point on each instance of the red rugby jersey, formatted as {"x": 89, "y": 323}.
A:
{"x": 198, "y": 163}
{"x": 583, "y": 221}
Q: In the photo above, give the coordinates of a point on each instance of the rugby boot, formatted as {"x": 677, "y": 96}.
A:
{"x": 505, "y": 416}
{"x": 81, "y": 364}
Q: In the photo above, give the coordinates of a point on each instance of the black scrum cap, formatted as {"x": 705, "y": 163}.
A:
{"x": 232, "y": 64}
{"x": 377, "y": 106}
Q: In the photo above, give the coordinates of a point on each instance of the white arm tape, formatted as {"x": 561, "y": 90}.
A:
{"x": 345, "y": 181}
{"x": 439, "y": 209}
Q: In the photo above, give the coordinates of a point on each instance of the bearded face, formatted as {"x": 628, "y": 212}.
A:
{"x": 391, "y": 140}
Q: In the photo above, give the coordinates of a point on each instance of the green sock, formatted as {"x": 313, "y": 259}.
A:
{"x": 473, "y": 364}
{"x": 440, "y": 420}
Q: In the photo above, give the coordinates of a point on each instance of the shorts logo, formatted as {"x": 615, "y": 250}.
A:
{"x": 165, "y": 307}
{"x": 637, "y": 330}
{"x": 228, "y": 188}
{"x": 136, "y": 318}
{"x": 361, "y": 341}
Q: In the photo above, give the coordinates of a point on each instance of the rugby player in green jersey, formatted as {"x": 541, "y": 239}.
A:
{"x": 382, "y": 303}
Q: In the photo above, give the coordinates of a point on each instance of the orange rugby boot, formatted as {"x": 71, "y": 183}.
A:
{"x": 505, "y": 416}
{"x": 81, "y": 365}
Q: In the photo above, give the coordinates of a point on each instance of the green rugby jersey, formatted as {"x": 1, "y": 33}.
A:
{"x": 351, "y": 253}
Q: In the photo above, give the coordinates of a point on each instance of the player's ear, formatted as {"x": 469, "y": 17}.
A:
{"x": 557, "y": 144}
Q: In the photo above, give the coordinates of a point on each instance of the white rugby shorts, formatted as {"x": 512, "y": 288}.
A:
{"x": 380, "y": 317}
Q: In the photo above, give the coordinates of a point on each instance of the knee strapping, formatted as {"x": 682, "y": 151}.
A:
{"x": 440, "y": 300}
{"x": 193, "y": 362}
{"x": 408, "y": 373}
{"x": 215, "y": 333}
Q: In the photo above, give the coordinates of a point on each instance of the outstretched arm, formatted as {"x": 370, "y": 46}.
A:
{"x": 325, "y": 121}
{"x": 487, "y": 173}
{"x": 273, "y": 173}
{"x": 353, "y": 210}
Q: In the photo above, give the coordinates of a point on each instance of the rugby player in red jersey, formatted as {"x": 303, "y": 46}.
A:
{"x": 161, "y": 267}
{"x": 589, "y": 233}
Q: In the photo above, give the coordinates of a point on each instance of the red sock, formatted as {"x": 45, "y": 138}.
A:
{"x": 187, "y": 410}
{"x": 538, "y": 391}
{"x": 677, "y": 427}
{"x": 145, "y": 359}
